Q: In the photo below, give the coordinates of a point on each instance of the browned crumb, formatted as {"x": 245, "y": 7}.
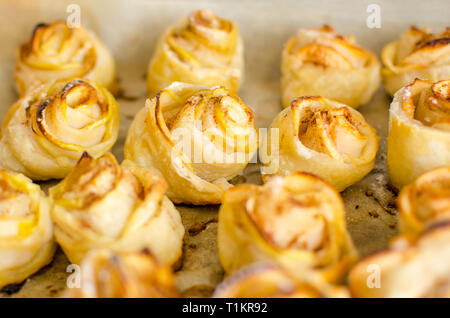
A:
{"x": 200, "y": 226}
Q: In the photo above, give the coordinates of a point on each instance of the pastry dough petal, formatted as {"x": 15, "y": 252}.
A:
{"x": 26, "y": 229}
{"x": 103, "y": 205}
{"x": 320, "y": 136}
{"x": 196, "y": 137}
{"x": 109, "y": 274}
{"x": 414, "y": 144}
{"x": 264, "y": 280}
{"x": 201, "y": 49}
{"x": 296, "y": 221}
{"x": 419, "y": 267}
{"x": 321, "y": 62}
{"x": 57, "y": 52}
{"x": 47, "y": 130}
{"x": 417, "y": 54}
{"x": 425, "y": 202}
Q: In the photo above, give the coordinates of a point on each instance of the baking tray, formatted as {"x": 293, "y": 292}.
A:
{"x": 130, "y": 29}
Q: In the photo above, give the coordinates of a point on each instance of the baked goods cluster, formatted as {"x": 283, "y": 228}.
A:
{"x": 286, "y": 237}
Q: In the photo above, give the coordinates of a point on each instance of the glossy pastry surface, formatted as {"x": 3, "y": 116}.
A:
{"x": 58, "y": 52}
{"x": 102, "y": 204}
{"x": 196, "y": 137}
{"x": 26, "y": 229}
{"x": 201, "y": 49}
{"x": 47, "y": 130}
{"x": 417, "y": 53}
{"x": 320, "y": 136}
{"x": 419, "y": 130}
{"x": 296, "y": 221}
{"x": 322, "y": 62}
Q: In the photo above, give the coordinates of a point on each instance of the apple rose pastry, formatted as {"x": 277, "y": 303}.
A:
{"x": 417, "y": 54}
{"x": 47, "y": 130}
{"x": 57, "y": 52}
{"x": 26, "y": 230}
{"x": 269, "y": 281}
{"x": 202, "y": 49}
{"x": 417, "y": 268}
{"x": 323, "y": 137}
{"x": 197, "y": 138}
{"x": 425, "y": 202}
{"x": 324, "y": 63}
{"x": 103, "y": 205}
{"x": 419, "y": 131}
{"x": 108, "y": 274}
{"x": 295, "y": 221}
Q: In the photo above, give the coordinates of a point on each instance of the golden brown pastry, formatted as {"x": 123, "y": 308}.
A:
{"x": 323, "y": 137}
{"x": 197, "y": 138}
{"x": 416, "y": 268}
{"x": 26, "y": 229}
{"x": 108, "y": 274}
{"x": 47, "y": 130}
{"x": 264, "y": 280}
{"x": 201, "y": 49}
{"x": 57, "y": 52}
{"x": 425, "y": 202}
{"x": 417, "y": 54}
{"x": 419, "y": 130}
{"x": 321, "y": 62}
{"x": 297, "y": 221}
{"x": 103, "y": 205}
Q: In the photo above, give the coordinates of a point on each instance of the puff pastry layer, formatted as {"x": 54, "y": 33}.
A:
{"x": 47, "y": 130}
{"x": 26, "y": 229}
{"x": 264, "y": 280}
{"x": 320, "y": 136}
{"x": 295, "y": 221}
{"x": 417, "y": 54}
{"x": 416, "y": 268}
{"x": 201, "y": 49}
{"x": 321, "y": 62}
{"x": 108, "y": 274}
{"x": 419, "y": 130}
{"x": 103, "y": 205}
{"x": 425, "y": 202}
{"x": 197, "y": 138}
{"x": 57, "y": 52}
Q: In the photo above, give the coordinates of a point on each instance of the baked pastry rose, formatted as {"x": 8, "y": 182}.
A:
{"x": 47, "y": 130}
{"x": 323, "y": 137}
{"x": 57, "y": 52}
{"x": 296, "y": 221}
{"x": 201, "y": 49}
{"x": 26, "y": 230}
{"x": 324, "y": 63}
{"x": 269, "y": 281}
{"x": 425, "y": 202}
{"x": 419, "y": 130}
{"x": 108, "y": 274}
{"x": 197, "y": 138}
{"x": 103, "y": 205}
{"x": 416, "y": 268}
{"x": 417, "y": 54}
